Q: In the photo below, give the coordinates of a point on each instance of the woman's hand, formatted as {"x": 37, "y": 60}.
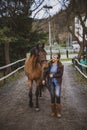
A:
{"x": 51, "y": 75}
{"x": 43, "y": 82}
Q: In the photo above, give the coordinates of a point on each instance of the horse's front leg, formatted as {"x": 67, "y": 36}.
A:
{"x": 37, "y": 95}
{"x": 40, "y": 90}
{"x": 30, "y": 94}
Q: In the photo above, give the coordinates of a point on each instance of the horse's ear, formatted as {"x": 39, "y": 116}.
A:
{"x": 43, "y": 45}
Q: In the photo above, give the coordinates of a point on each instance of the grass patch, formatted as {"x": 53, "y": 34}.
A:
{"x": 13, "y": 77}
{"x": 79, "y": 78}
{"x": 66, "y": 59}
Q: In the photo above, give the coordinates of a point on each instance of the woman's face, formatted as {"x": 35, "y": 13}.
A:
{"x": 55, "y": 58}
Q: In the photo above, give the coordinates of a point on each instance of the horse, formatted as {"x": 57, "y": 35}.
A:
{"x": 34, "y": 69}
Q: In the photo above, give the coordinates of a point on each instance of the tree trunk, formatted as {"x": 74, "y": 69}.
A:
{"x": 7, "y": 57}
{"x": 80, "y": 52}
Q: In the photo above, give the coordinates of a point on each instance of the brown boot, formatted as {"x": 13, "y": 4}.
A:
{"x": 53, "y": 108}
{"x": 58, "y": 110}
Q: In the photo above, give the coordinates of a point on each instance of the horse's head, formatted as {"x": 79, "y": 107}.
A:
{"x": 44, "y": 64}
{"x": 42, "y": 53}
{"x": 39, "y": 52}
{"x": 34, "y": 51}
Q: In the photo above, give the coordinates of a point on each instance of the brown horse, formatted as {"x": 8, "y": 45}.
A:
{"x": 34, "y": 68}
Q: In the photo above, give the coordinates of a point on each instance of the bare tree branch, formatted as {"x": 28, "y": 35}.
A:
{"x": 37, "y": 6}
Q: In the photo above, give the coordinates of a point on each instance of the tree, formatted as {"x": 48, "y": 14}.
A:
{"x": 6, "y": 39}
{"x": 15, "y": 23}
{"x": 16, "y": 34}
{"x": 77, "y": 8}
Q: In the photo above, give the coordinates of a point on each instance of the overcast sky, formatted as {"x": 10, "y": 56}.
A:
{"x": 56, "y": 6}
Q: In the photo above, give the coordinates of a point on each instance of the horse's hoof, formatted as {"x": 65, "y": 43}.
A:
{"x": 37, "y": 109}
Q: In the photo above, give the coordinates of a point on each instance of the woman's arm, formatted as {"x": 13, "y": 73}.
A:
{"x": 59, "y": 73}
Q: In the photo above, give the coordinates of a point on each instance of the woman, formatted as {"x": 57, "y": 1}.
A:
{"x": 54, "y": 75}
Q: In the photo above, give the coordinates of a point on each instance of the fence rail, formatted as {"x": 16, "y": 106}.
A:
{"x": 3, "y": 67}
{"x": 82, "y": 68}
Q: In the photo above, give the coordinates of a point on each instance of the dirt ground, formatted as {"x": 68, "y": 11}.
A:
{"x": 15, "y": 113}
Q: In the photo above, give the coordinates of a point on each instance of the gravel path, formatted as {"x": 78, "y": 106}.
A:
{"x": 15, "y": 113}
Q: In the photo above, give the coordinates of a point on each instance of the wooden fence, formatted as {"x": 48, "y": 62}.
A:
{"x": 14, "y": 71}
{"x": 82, "y": 68}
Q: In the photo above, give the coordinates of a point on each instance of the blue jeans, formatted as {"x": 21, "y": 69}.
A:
{"x": 55, "y": 91}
